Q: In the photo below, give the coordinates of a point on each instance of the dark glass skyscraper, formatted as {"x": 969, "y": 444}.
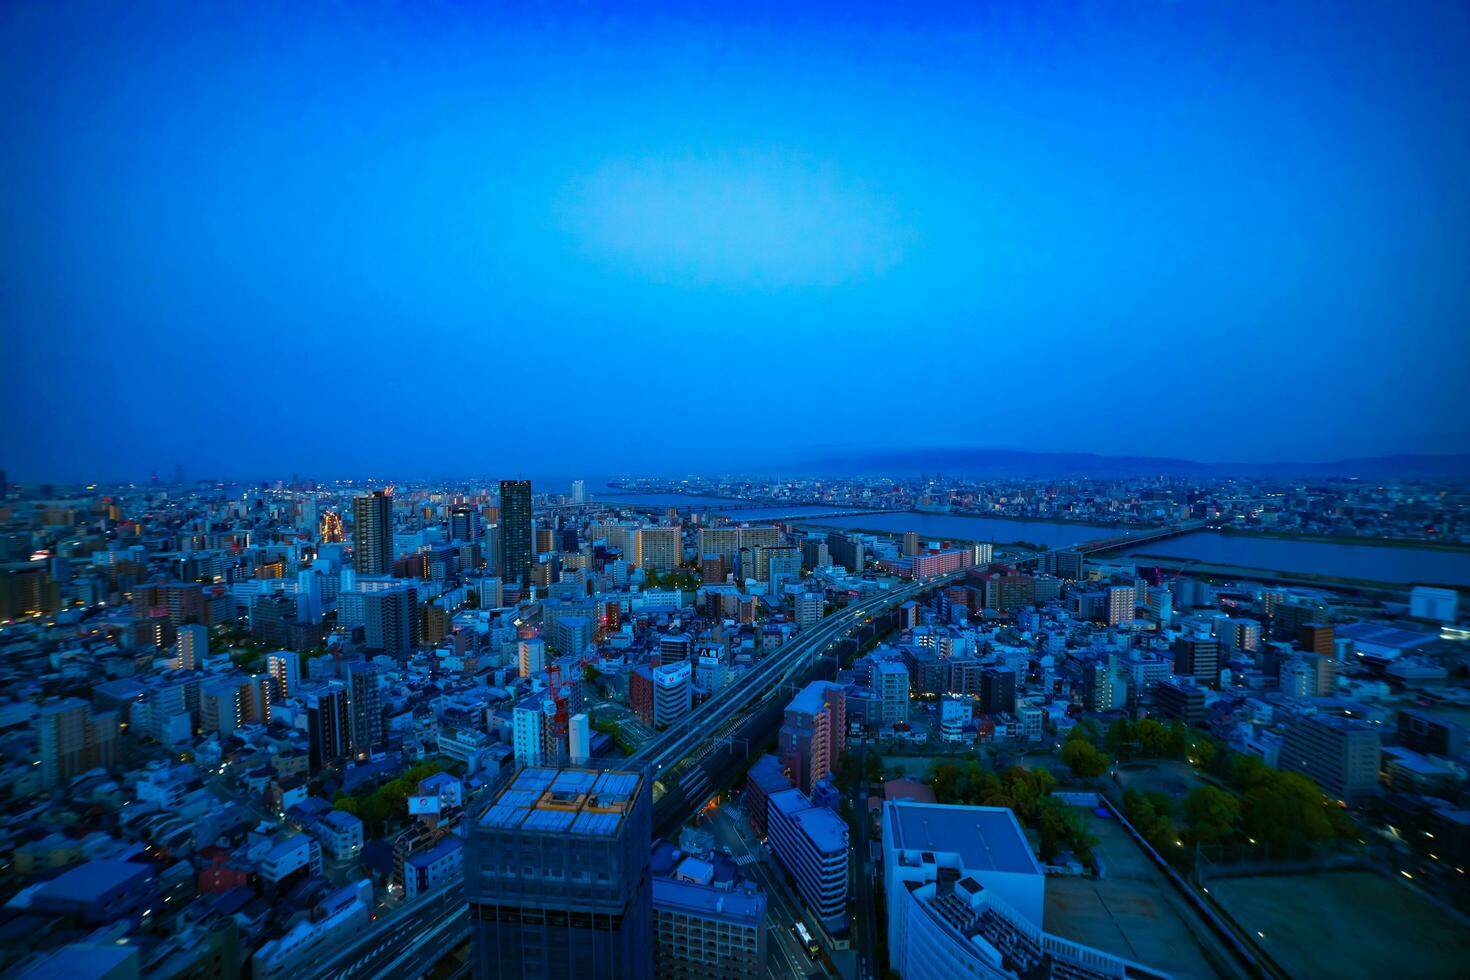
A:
{"x": 372, "y": 534}
{"x": 557, "y": 877}
{"x": 515, "y": 531}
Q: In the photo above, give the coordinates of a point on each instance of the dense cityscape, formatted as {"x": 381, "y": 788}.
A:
{"x": 708, "y": 491}
{"x": 658, "y": 729}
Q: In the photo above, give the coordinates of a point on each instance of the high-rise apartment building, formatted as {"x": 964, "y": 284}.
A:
{"x": 890, "y": 693}
{"x": 579, "y": 492}
{"x": 813, "y": 733}
{"x": 997, "y": 690}
{"x": 366, "y": 706}
{"x": 1199, "y": 658}
{"x": 847, "y": 550}
{"x": 777, "y": 564}
{"x": 557, "y": 877}
{"x": 328, "y": 724}
{"x": 811, "y": 843}
{"x": 810, "y": 607}
{"x": 707, "y": 931}
{"x": 1120, "y": 600}
{"x": 372, "y": 533}
{"x": 1317, "y": 638}
{"x": 391, "y": 620}
{"x": 285, "y": 667}
{"x": 660, "y": 549}
{"x": 721, "y": 541}
{"x": 1340, "y": 754}
{"x": 191, "y": 646}
{"x": 71, "y": 739}
{"x": 1180, "y": 699}
{"x": 516, "y": 554}
{"x": 531, "y": 656}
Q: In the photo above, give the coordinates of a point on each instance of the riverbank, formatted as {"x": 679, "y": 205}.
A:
{"x": 1416, "y": 543}
{"x": 1396, "y": 590}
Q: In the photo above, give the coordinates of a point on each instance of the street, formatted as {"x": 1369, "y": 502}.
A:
{"x": 784, "y": 957}
{"x": 864, "y": 879}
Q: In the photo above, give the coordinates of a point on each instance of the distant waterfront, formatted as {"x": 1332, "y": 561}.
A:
{"x": 1369, "y": 562}
{"x": 751, "y": 510}
{"x": 1378, "y": 563}
{"x": 956, "y": 527}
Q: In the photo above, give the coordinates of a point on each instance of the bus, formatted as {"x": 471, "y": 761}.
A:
{"x": 806, "y": 939}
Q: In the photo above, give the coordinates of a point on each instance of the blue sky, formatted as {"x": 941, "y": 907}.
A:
{"x": 451, "y": 238}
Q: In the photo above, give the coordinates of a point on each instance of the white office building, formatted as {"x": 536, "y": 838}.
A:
{"x": 673, "y": 692}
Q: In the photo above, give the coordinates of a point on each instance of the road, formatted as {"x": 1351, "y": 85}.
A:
{"x": 406, "y": 941}
{"x": 682, "y": 738}
{"x": 864, "y": 878}
{"x": 784, "y": 956}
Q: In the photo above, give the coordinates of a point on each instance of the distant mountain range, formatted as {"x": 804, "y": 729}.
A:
{"x": 985, "y": 462}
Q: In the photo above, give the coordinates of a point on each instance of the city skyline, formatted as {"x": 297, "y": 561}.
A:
{"x": 1179, "y": 231}
{"x": 742, "y": 492}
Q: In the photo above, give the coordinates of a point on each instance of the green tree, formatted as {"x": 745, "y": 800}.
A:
{"x": 1083, "y": 760}
{"x": 1211, "y": 814}
{"x": 1120, "y": 736}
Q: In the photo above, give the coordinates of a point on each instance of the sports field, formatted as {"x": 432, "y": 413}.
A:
{"x": 1347, "y": 924}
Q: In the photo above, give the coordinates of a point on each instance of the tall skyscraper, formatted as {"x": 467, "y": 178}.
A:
{"x": 372, "y": 534}
{"x": 192, "y": 647}
{"x": 328, "y": 724}
{"x": 579, "y": 492}
{"x": 366, "y": 706}
{"x": 557, "y": 877}
{"x": 515, "y": 531}
{"x": 464, "y": 523}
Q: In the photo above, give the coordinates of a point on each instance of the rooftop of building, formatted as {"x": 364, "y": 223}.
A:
{"x": 811, "y": 699}
{"x": 82, "y": 960}
{"x": 445, "y": 846}
{"x": 825, "y": 828}
{"x": 1340, "y": 723}
{"x": 748, "y": 908}
{"x": 1382, "y": 634}
{"x": 986, "y": 838}
{"x": 768, "y": 775}
{"x": 565, "y": 801}
{"x": 86, "y": 882}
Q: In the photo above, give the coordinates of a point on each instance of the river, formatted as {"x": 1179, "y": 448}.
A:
{"x": 1378, "y": 563}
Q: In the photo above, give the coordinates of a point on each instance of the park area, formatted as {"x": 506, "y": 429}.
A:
{"x": 1133, "y": 912}
{"x": 1172, "y": 777}
{"x": 922, "y": 766}
{"x": 1346, "y": 924}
